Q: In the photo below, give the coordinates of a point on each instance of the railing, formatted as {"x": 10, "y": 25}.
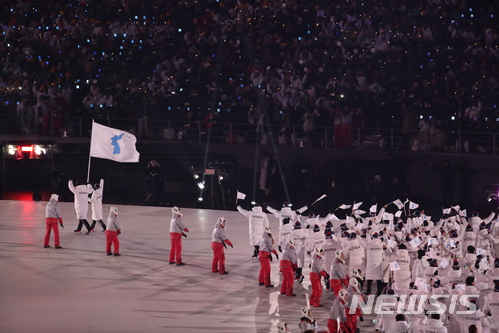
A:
{"x": 235, "y": 133}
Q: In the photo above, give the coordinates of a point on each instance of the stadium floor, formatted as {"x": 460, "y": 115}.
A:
{"x": 80, "y": 289}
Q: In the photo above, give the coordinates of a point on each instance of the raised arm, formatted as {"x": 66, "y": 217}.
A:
{"x": 71, "y": 186}
{"x": 274, "y": 211}
{"x": 243, "y": 211}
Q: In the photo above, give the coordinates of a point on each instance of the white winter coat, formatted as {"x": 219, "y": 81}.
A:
{"x": 466, "y": 320}
{"x": 96, "y": 202}
{"x": 387, "y": 320}
{"x": 401, "y": 326}
{"x": 257, "y": 222}
{"x": 81, "y": 193}
{"x": 469, "y": 239}
{"x": 491, "y": 303}
{"x": 284, "y": 231}
{"x": 402, "y": 277}
{"x": 356, "y": 256}
{"x": 433, "y": 326}
{"x": 285, "y": 212}
{"x": 316, "y": 239}
{"x": 374, "y": 258}
{"x": 300, "y": 236}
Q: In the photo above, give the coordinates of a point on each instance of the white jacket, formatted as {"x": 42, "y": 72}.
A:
{"x": 402, "y": 326}
{"x": 433, "y": 326}
{"x": 356, "y": 255}
{"x": 284, "y": 231}
{"x": 469, "y": 239}
{"x": 315, "y": 239}
{"x": 257, "y": 222}
{"x": 491, "y": 303}
{"x": 81, "y": 193}
{"x": 466, "y": 320}
{"x": 96, "y": 202}
{"x": 387, "y": 320}
{"x": 300, "y": 236}
{"x": 285, "y": 212}
{"x": 374, "y": 258}
{"x": 402, "y": 277}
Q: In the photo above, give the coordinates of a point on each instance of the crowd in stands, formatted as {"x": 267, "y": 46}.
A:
{"x": 429, "y": 65}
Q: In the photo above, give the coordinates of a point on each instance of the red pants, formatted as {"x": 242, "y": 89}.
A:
{"x": 264, "y": 277}
{"x": 176, "y": 247}
{"x": 352, "y": 319}
{"x": 218, "y": 263}
{"x": 112, "y": 238}
{"x": 52, "y": 224}
{"x": 315, "y": 297}
{"x": 332, "y": 326}
{"x": 288, "y": 277}
{"x": 336, "y": 285}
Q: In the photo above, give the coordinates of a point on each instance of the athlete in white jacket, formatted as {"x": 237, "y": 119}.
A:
{"x": 375, "y": 249}
{"x": 403, "y": 324}
{"x": 433, "y": 325}
{"x": 300, "y": 237}
{"x": 258, "y": 221}
{"x": 81, "y": 193}
{"x": 96, "y": 202}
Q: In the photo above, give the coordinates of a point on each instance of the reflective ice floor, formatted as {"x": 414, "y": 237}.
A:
{"x": 80, "y": 289}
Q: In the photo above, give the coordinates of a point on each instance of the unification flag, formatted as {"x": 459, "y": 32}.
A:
{"x": 415, "y": 242}
{"x": 413, "y": 205}
{"x": 241, "y": 195}
{"x": 480, "y": 252}
{"x": 446, "y": 210}
{"x": 358, "y": 212}
{"x": 344, "y": 206}
{"x": 388, "y": 216}
{"x": 373, "y": 208}
{"x": 444, "y": 263}
{"x": 113, "y": 144}
{"x": 357, "y": 205}
{"x": 394, "y": 266}
{"x": 398, "y": 203}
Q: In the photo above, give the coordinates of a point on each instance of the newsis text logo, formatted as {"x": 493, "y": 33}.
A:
{"x": 414, "y": 304}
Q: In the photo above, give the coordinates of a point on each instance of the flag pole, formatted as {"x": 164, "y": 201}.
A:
{"x": 90, "y": 153}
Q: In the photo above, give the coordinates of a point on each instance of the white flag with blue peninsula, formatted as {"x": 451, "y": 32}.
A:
{"x": 113, "y": 144}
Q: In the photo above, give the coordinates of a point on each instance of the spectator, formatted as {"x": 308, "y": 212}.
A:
{"x": 437, "y": 57}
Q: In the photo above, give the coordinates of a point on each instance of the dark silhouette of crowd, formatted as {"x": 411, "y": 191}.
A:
{"x": 429, "y": 65}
